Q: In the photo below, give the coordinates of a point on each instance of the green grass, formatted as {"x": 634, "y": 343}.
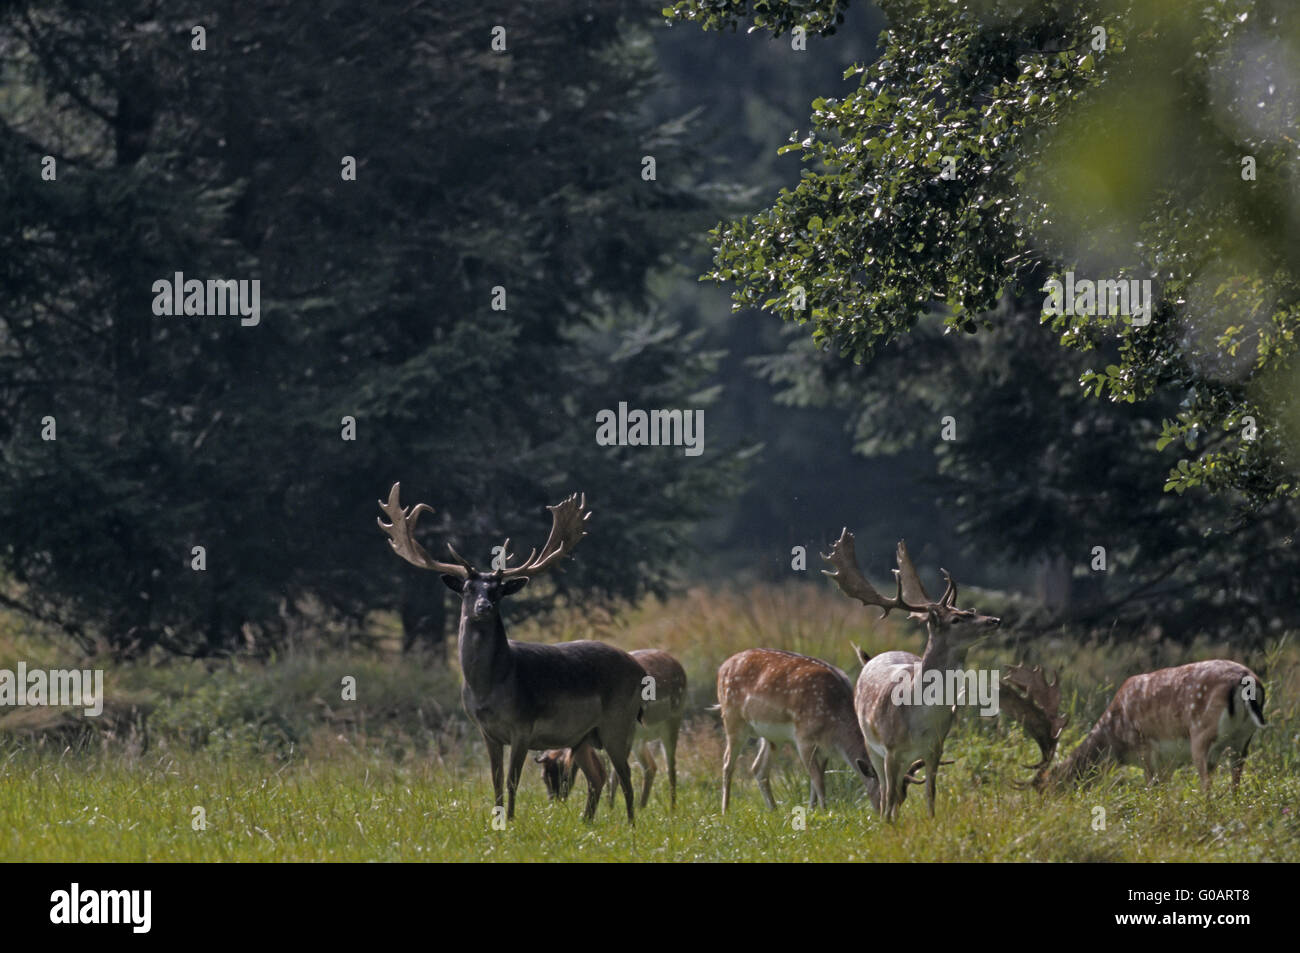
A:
{"x": 106, "y": 808}
{"x": 284, "y": 770}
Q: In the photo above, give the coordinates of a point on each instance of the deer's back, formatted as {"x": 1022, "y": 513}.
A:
{"x": 669, "y": 682}
{"x": 1172, "y": 703}
{"x": 771, "y": 687}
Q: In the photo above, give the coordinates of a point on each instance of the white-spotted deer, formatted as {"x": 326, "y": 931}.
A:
{"x": 583, "y": 695}
{"x": 897, "y": 735}
{"x": 783, "y": 696}
{"x": 661, "y": 720}
{"x": 1189, "y": 714}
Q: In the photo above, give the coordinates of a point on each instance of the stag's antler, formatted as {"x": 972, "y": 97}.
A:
{"x": 850, "y": 579}
{"x": 911, "y": 778}
{"x": 913, "y": 589}
{"x": 401, "y": 536}
{"x": 1030, "y": 699}
{"x": 568, "y": 526}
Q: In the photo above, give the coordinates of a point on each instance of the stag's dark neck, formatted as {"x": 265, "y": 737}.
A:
{"x": 939, "y": 654}
{"x": 485, "y": 658}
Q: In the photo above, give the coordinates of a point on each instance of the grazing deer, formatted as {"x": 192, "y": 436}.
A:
{"x": 896, "y": 734}
{"x": 1190, "y": 714}
{"x": 782, "y": 696}
{"x": 560, "y": 767}
{"x": 661, "y": 720}
{"x": 582, "y": 695}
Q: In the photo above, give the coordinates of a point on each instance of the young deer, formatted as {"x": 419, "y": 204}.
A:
{"x": 896, "y": 734}
{"x": 560, "y": 767}
{"x": 581, "y": 695}
{"x": 661, "y": 721}
{"x": 782, "y": 696}
{"x": 1160, "y": 721}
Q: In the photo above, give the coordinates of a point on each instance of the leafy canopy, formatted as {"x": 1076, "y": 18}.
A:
{"x": 1105, "y": 139}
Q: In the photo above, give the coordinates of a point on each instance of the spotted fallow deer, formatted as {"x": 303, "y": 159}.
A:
{"x": 661, "y": 720}
{"x": 782, "y": 696}
{"x": 1189, "y": 714}
{"x": 583, "y": 695}
{"x": 897, "y": 735}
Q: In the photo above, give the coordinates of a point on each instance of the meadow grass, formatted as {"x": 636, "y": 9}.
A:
{"x": 285, "y": 771}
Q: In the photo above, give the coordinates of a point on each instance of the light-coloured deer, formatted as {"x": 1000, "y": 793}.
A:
{"x": 782, "y": 696}
{"x": 661, "y": 721}
{"x": 582, "y": 695}
{"x": 1190, "y": 714}
{"x": 896, "y": 734}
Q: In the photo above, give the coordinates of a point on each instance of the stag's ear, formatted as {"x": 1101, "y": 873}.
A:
{"x": 511, "y": 586}
{"x": 454, "y": 583}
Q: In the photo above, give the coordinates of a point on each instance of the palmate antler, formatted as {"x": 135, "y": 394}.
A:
{"x": 913, "y": 591}
{"x": 1030, "y": 699}
{"x": 401, "y": 536}
{"x": 568, "y": 526}
{"x": 850, "y": 579}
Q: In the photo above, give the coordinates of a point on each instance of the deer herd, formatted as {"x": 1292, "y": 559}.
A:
{"x": 572, "y": 700}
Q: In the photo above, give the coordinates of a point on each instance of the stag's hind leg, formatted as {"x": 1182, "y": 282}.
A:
{"x": 619, "y": 761}
{"x": 931, "y": 779}
{"x": 893, "y": 784}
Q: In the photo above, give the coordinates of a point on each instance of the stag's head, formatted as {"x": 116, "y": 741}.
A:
{"x": 1028, "y": 697}
{"x": 960, "y": 626}
{"x": 481, "y": 591}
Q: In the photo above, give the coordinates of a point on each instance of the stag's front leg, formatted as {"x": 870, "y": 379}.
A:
{"x": 518, "y": 754}
{"x": 808, "y": 755}
{"x": 932, "y": 779}
{"x": 495, "y": 751}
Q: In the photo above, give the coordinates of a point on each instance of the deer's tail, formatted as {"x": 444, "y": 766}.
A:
{"x": 1256, "y": 710}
